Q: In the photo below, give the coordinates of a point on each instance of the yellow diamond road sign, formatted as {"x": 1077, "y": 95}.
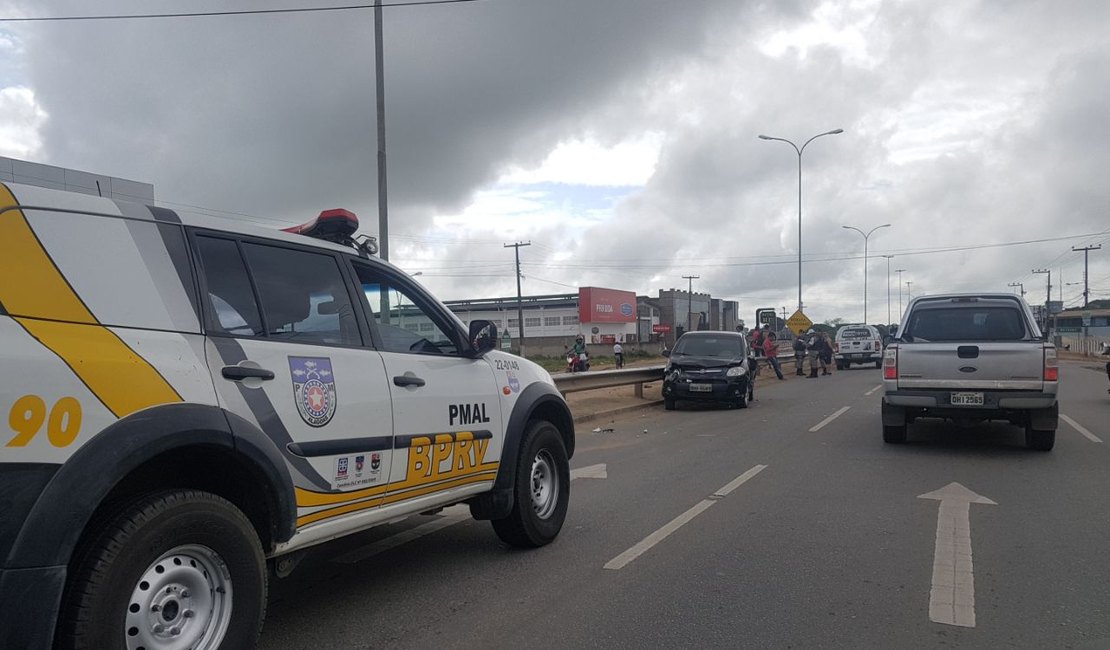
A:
{"x": 799, "y": 322}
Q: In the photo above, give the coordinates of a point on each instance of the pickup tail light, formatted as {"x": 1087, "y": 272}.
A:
{"x": 836, "y": 347}
{"x": 1051, "y": 370}
{"x": 890, "y": 363}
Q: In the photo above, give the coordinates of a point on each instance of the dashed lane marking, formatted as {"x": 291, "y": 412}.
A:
{"x": 832, "y": 417}
{"x": 873, "y": 389}
{"x": 651, "y": 540}
{"x": 1080, "y": 428}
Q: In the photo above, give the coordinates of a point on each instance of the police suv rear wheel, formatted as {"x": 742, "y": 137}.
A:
{"x": 175, "y": 569}
{"x": 541, "y": 489}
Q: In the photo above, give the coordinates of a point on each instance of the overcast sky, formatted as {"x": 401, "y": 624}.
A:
{"x": 618, "y": 136}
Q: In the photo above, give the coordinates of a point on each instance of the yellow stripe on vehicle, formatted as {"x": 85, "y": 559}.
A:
{"x": 309, "y": 498}
{"x": 365, "y": 505}
{"x": 34, "y": 289}
{"x": 33, "y": 285}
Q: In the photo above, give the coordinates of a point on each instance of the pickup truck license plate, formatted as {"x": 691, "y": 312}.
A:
{"x": 704, "y": 388}
{"x": 967, "y": 399}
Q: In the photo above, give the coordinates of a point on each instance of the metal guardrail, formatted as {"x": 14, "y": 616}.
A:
{"x": 570, "y": 383}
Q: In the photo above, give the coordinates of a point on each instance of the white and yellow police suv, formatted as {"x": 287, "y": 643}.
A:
{"x": 187, "y": 402}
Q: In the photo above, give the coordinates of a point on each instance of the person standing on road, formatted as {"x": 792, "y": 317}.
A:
{"x": 757, "y": 342}
{"x": 771, "y": 351}
{"x": 825, "y": 346}
{"x": 618, "y": 354}
{"x": 799, "y": 355}
{"x": 813, "y": 350}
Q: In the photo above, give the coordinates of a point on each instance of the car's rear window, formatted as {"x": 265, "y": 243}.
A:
{"x": 716, "y": 347}
{"x": 856, "y": 333}
{"x": 966, "y": 324}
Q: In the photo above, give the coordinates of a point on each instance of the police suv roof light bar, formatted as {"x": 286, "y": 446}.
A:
{"x": 338, "y": 226}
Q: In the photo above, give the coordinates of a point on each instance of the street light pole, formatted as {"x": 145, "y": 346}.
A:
{"x": 888, "y": 289}
{"x": 866, "y": 236}
{"x": 799, "y": 151}
{"x": 379, "y": 86}
{"x": 909, "y": 294}
{"x": 899, "y": 272}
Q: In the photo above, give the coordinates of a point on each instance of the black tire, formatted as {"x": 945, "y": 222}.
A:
{"x": 878, "y": 364}
{"x": 668, "y": 404}
{"x": 894, "y": 434}
{"x": 1040, "y": 439}
{"x": 745, "y": 397}
{"x": 106, "y": 603}
{"x": 535, "y": 520}
{"x": 839, "y": 366}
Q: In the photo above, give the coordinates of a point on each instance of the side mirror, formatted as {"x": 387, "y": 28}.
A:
{"x": 483, "y": 337}
{"x": 666, "y": 353}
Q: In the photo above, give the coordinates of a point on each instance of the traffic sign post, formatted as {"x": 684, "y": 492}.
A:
{"x": 799, "y": 322}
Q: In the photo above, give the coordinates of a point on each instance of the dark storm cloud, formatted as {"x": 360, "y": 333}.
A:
{"x": 965, "y": 123}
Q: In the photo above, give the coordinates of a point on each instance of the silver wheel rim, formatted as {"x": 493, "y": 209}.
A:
{"x": 181, "y": 602}
{"x": 545, "y": 485}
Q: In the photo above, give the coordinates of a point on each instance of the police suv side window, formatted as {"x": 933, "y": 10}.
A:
{"x": 304, "y": 296}
{"x": 230, "y": 296}
{"x": 403, "y": 324}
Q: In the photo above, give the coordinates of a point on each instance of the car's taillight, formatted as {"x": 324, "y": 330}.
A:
{"x": 890, "y": 363}
{"x": 1051, "y": 370}
{"x": 836, "y": 347}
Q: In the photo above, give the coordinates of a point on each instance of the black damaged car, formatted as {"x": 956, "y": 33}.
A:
{"x": 709, "y": 366}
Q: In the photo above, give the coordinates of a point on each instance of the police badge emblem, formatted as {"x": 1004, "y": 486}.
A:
{"x": 313, "y": 389}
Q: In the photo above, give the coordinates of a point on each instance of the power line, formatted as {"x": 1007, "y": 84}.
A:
{"x": 244, "y": 12}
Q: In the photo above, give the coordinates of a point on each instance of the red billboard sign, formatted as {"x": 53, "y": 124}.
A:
{"x": 661, "y": 329}
{"x": 596, "y": 305}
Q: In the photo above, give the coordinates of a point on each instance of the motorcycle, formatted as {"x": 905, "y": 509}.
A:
{"x": 577, "y": 362}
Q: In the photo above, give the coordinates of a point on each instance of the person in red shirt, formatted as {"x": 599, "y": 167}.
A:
{"x": 771, "y": 351}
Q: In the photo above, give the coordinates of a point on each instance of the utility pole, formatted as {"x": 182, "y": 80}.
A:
{"x": 1086, "y": 254}
{"x": 1048, "y": 294}
{"x": 909, "y": 294}
{"x": 1020, "y": 286}
{"x": 1086, "y": 287}
{"x": 690, "y": 302}
{"x": 519, "y": 304}
{"x": 899, "y": 272}
{"x": 379, "y": 65}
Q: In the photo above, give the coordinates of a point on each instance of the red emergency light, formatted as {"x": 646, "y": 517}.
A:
{"x": 337, "y": 225}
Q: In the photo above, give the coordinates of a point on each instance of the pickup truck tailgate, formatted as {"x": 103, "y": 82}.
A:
{"x": 1010, "y": 365}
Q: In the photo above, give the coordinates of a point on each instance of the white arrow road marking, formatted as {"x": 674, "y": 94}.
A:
{"x": 1080, "y": 428}
{"x": 448, "y": 517}
{"x": 952, "y": 597}
{"x": 832, "y": 417}
{"x": 651, "y": 540}
{"x": 873, "y": 389}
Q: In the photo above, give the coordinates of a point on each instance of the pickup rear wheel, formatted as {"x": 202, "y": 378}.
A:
{"x": 541, "y": 489}
{"x": 173, "y": 569}
{"x": 1039, "y": 439}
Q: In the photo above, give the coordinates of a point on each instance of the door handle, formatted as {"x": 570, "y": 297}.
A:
{"x": 239, "y": 373}
{"x": 408, "y": 380}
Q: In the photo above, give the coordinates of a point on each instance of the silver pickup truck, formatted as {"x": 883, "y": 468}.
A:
{"x": 970, "y": 358}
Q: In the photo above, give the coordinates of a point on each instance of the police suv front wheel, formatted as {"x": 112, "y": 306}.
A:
{"x": 541, "y": 489}
{"x": 175, "y": 569}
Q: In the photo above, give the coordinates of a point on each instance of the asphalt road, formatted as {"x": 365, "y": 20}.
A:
{"x": 781, "y": 536}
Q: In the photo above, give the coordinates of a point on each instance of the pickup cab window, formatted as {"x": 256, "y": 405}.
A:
{"x": 965, "y": 324}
